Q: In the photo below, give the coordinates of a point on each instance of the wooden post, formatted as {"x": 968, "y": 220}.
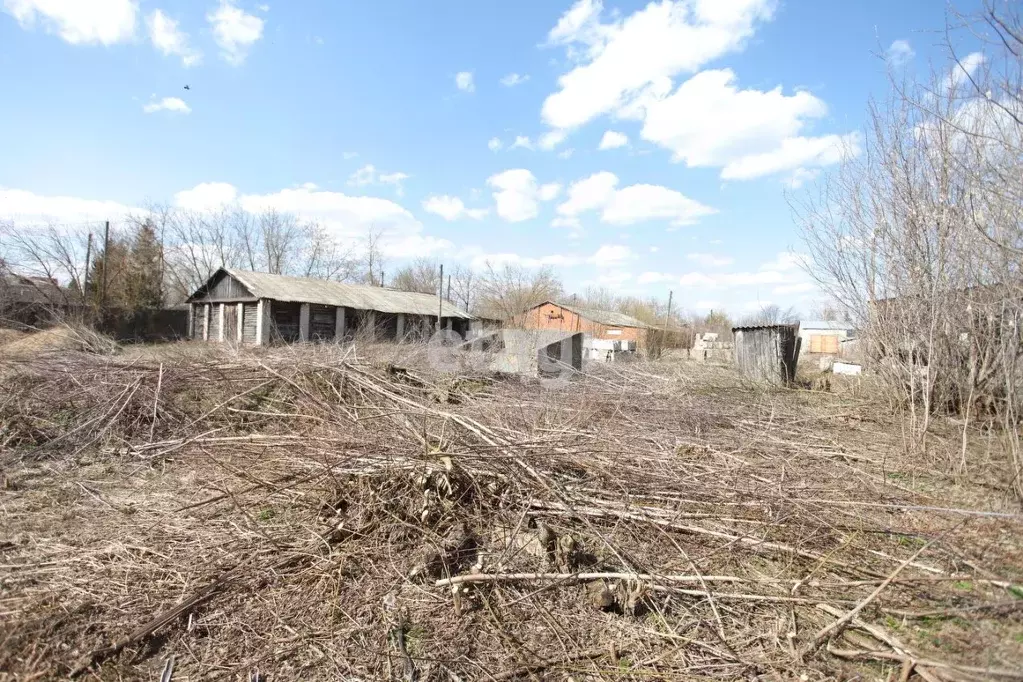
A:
{"x": 206, "y": 322}
{"x": 401, "y": 327}
{"x": 106, "y": 263}
{"x": 240, "y": 315}
{"x": 220, "y": 332}
{"x": 339, "y": 324}
{"x": 371, "y": 325}
{"x": 440, "y": 297}
{"x": 85, "y": 279}
{"x": 668, "y": 316}
{"x": 303, "y": 322}
{"x": 260, "y": 321}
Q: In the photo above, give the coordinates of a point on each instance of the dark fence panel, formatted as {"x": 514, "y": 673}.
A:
{"x": 147, "y": 325}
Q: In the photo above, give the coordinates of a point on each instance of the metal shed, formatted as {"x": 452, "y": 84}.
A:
{"x": 258, "y": 308}
{"x": 767, "y": 353}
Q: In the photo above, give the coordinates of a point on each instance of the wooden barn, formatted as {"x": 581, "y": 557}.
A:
{"x": 767, "y": 353}
{"x": 605, "y": 325}
{"x": 259, "y": 308}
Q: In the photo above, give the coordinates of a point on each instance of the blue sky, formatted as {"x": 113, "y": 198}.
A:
{"x": 468, "y": 131}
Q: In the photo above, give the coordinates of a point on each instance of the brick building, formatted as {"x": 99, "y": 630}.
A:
{"x": 604, "y": 325}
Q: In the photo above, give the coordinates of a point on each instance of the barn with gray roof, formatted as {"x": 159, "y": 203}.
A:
{"x": 259, "y": 308}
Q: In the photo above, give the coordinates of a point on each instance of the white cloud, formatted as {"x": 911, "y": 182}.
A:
{"x": 801, "y": 176}
{"x": 263, "y": 8}
{"x": 654, "y": 277}
{"x": 629, "y": 205}
{"x": 99, "y": 22}
{"x": 494, "y": 144}
{"x": 517, "y": 194}
{"x": 613, "y": 140}
{"x": 170, "y": 40}
{"x": 566, "y": 153}
{"x": 552, "y": 139}
{"x": 452, "y": 208}
{"x": 369, "y": 175}
{"x": 349, "y": 155}
{"x": 464, "y": 81}
{"x": 797, "y": 288}
{"x": 900, "y": 52}
{"x": 611, "y": 254}
{"x": 794, "y": 152}
{"x": 206, "y": 196}
{"x": 348, "y": 218}
{"x": 27, "y": 208}
{"x": 964, "y": 70}
{"x": 513, "y": 79}
{"x": 234, "y": 31}
{"x": 710, "y": 260}
{"x": 521, "y": 141}
{"x": 783, "y": 272}
{"x": 617, "y": 61}
{"x": 706, "y": 305}
{"x": 173, "y": 104}
{"x": 709, "y": 122}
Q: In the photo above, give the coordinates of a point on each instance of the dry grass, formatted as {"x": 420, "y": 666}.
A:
{"x": 317, "y": 514}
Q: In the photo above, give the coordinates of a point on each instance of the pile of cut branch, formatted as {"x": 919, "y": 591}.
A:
{"x": 316, "y": 515}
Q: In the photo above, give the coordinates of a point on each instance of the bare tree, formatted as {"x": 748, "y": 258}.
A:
{"x": 511, "y": 289}
{"x": 373, "y": 257}
{"x": 920, "y": 240}
{"x": 55, "y": 252}
{"x": 771, "y": 314}
{"x": 422, "y": 275}
{"x": 465, "y": 284}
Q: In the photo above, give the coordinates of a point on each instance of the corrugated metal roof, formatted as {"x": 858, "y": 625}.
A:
{"x": 606, "y": 317}
{"x": 826, "y": 324}
{"x": 754, "y": 327}
{"x": 325, "y": 292}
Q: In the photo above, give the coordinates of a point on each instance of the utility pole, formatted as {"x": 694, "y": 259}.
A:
{"x": 668, "y": 316}
{"x": 85, "y": 279}
{"x": 449, "y": 287}
{"x": 440, "y": 298}
{"x": 106, "y": 264}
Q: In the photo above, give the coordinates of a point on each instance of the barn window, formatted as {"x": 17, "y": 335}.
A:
{"x": 823, "y": 343}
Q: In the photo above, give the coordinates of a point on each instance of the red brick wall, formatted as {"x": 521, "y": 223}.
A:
{"x": 551, "y": 316}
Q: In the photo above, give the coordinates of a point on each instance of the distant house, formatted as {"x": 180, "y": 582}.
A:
{"x": 824, "y": 337}
{"x": 605, "y": 332}
{"x": 259, "y": 308}
{"x": 35, "y": 300}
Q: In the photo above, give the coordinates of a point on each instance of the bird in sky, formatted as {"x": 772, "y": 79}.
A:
{"x": 187, "y": 88}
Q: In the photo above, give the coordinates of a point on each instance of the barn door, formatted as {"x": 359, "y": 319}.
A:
{"x": 230, "y": 322}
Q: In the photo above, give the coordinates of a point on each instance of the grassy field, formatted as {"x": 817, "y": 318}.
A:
{"x": 325, "y": 514}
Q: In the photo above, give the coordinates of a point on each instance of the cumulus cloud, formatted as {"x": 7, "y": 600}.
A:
{"x": 494, "y": 144}
{"x": 172, "y": 104}
{"x": 452, "y": 208}
{"x": 234, "y": 30}
{"x": 26, "y": 208}
{"x": 369, "y": 175}
{"x": 900, "y": 52}
{"x": 964, "y": 70}
{"x": 618, "y": 60}
{"x": 709, "y": 122}
{"x": 611, "y": 254}
{"x": 100, "y": 22}
{"x": 349, "y": 218}
{"x": 710, "y": 260}
{"x": 625, "y": 68}
{"x": 464, "y": 81}
{"x": 552, "y": 139}
{"x": 517, "y": 194}
{"x": 521, "y": 142}
{"x": 513, "y": 79}
{"x": 628, "y": 205}
{"x": 169, "y": 40}
{"x": 613, "y": 140}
